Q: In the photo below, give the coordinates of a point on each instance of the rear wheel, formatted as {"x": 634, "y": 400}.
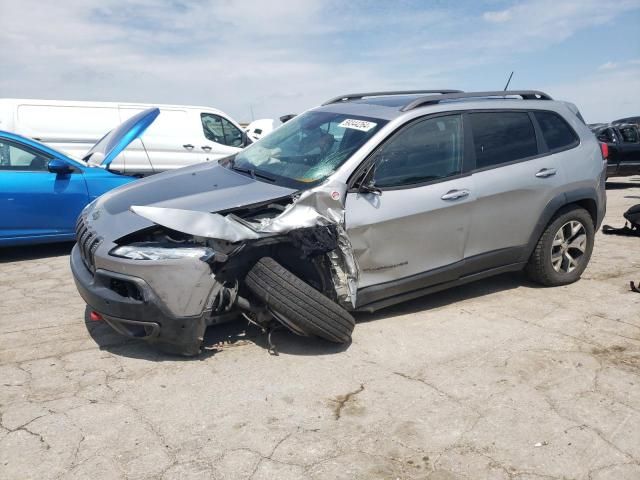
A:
{"x": 564, "y": 249}
{"x": 299, "y": 306}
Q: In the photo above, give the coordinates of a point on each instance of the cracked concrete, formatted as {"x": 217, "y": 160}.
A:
{"x": 495, "y": 380}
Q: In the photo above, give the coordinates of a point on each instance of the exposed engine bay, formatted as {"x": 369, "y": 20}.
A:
{"x": 304, "y": 233}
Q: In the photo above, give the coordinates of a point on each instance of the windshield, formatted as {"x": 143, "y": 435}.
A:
{"x": 306, "y": 149}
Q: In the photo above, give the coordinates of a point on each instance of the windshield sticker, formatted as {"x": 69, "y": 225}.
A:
{"x": 361, "y": 125}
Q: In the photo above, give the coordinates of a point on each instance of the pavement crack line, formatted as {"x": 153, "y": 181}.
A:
{"x": 342, "y": 400}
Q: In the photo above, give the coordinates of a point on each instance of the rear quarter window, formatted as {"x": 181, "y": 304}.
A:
{"x": 556, "y": 131}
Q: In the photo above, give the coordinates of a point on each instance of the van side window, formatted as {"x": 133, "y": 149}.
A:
{"x": 220, "y": 130}
{"x": 555, "y": 130}
{"x": 232, "y": 134}
{"x": 15, "y": 158}
{"x": 427, "y": 150}
{"x": 212, "y": 127}
{"x": 502, "y": 137}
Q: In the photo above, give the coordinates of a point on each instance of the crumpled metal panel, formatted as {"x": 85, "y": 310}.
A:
{"x": 201, "y": 224}
{"x": 323, "y": 205}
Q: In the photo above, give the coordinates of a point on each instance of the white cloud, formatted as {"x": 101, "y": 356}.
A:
{"x": 278, "y": 57}
{"x": 603, "y": 96}
{"x": 608, "y": 66}
{"x": 497, "y": 16}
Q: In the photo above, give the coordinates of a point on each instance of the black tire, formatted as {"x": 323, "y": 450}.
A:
{"x": 540, "y": 268}
{"x": 300, "y": 304}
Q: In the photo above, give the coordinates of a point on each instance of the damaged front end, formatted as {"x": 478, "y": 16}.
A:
{"x": 304, "y": 233}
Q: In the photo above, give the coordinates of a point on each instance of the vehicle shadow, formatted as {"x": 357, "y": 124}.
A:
{"x": 631, "y": 182}
{"x": 227, "y": 336}
{"x": 34, "y": 252}
{"x": 499, "y": 283}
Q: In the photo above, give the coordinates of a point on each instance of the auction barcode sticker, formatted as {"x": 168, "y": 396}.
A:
{"x": 361, "y": 125}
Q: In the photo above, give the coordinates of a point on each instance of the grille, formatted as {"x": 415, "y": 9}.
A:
{"x": 88, "y": 242}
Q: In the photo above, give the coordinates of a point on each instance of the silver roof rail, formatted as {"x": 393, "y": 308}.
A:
{"x": 434, "y": 99}
{"x": 359, "y": 96}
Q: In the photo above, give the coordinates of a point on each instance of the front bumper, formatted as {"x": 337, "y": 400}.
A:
{"x": 133, "y": 308}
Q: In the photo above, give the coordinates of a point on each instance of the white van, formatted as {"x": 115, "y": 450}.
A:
{"x": 181, "y": 135}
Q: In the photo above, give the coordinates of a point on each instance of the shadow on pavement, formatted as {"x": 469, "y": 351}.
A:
{"x": 33, "y": 252}
{"x": 630, "y": 183}
{"x": 239, "y": 333}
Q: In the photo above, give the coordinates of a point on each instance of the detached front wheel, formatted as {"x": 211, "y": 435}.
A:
{"x": 299, "y": 306}
{"x": 564, "y": 249}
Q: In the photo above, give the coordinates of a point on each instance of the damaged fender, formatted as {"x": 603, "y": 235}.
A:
{"x": 319, "y": 206}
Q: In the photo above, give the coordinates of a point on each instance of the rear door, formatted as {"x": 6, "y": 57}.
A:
{"x": 34, "y": 201}
{"x": 515, "y": 176}
{"x": 419, "y": 221}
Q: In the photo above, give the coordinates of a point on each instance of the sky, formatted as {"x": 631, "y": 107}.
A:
{"x": 264, "y": 59}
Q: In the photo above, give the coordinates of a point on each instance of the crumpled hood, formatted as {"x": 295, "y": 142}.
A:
{"x": 206, "y": 187}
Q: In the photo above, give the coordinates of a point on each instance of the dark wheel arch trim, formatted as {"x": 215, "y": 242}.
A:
{"x": 586, "y": 198}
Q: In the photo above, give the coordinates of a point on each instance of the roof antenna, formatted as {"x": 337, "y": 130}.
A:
{"x": 508, "y": 82}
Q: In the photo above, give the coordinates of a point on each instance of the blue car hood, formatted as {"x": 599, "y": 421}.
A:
{"x": 114, "y": 142}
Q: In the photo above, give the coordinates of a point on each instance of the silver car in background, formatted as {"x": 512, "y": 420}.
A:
{"x": 366, "y": 201}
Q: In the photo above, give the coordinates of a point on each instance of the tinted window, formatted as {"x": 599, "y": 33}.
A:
{"x": 629, "y": 134}
{"x": 14, "y": 157}
{"x": 556, "y": 132}
{"x": 427, "y": 150}
{"x": 502, "y": 137}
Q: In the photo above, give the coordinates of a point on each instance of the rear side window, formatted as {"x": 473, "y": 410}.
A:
{"x": 555, "y": 130}
{"x": 502, "y": 137}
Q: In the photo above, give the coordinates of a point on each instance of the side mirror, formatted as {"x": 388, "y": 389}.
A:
{"x": 59, "y": 167}
{"x": 368, "y": 185}
{"x": 246, "y": 141}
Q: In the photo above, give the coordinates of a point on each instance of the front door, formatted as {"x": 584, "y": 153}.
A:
{"x": 418, "y": 221}
{"x": 34, "y": 201}
{"x": 220, "y": 138}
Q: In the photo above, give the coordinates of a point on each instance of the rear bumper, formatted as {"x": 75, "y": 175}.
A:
{"x": 131, "y": 307}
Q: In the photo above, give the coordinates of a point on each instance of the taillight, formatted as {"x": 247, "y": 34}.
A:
{"x": 604, "y": 148}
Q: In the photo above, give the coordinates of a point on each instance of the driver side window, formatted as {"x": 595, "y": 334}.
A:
{"x": 14, "y": 157}
{"x": 427, "y": 150}
{"x": 220, "y": 130}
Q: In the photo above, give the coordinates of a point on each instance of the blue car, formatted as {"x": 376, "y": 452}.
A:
{"x": 42, "y": 190}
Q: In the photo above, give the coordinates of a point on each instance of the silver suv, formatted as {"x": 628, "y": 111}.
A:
{"x": 366, "y": 201}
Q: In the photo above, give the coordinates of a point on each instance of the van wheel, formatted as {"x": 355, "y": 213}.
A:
{"x": 564, "y": 249}
{"x": 305, "y": 309}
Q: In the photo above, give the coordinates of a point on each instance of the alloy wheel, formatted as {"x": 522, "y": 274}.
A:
{"x": 568, "y": 247}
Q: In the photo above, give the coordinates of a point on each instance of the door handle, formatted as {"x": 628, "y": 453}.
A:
{"x": 188, "y": 146}
{"x": 206, "y": 148}
{"x": 546, "y": 172}
{"x": 455, "y": 194}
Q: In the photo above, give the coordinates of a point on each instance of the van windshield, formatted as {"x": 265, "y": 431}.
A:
{"x": 306, "y": 149}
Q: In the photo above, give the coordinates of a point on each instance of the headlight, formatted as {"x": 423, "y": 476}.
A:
{"x": 154, "y": 252}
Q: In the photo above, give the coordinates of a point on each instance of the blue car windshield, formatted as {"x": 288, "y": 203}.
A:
{"x": 306, "y": 149}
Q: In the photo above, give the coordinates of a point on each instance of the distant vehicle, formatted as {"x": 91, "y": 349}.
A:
{"x": 259, "y": 128}
{"x": 182, "y": 135}
{"x": 623, "y": 143}
{"x": 633, "y": 120}
{"x": 42, "y": 190}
